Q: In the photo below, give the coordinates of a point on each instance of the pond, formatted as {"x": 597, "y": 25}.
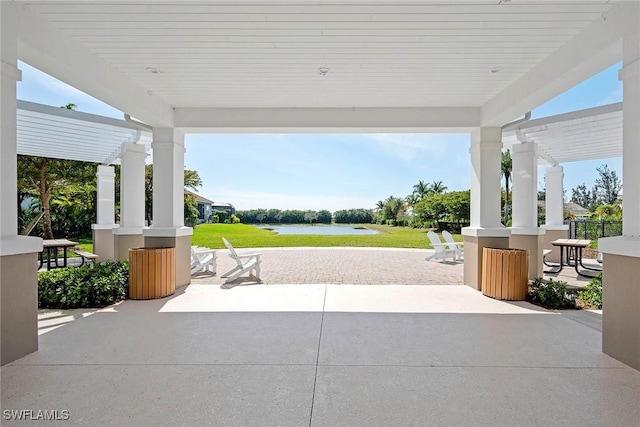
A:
{"x": 319, "y": 229}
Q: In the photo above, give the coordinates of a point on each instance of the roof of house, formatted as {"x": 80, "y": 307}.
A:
{"x": 198, "y": 197}
{"x": 573, "y": 208}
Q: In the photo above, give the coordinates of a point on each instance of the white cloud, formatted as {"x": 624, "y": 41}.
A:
{"x": 267, "y": 200}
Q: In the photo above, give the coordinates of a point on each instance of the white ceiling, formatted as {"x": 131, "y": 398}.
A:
{"x": 594, "y": 133}
{"x": 267, "y": 54}
{"x": 66, "y": 134}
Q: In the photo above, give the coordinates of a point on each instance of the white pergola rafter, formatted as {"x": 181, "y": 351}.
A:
{"x": 60, "y": 133}
{"x": 593, "y": 133}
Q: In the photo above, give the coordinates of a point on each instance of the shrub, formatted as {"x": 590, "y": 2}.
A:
{"x": 551, "y": 294}
{"x": 235, "y": 219}
{"x": 591, "y": 295}
{"x": 85, "y": 286}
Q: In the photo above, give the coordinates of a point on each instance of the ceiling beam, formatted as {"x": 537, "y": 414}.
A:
{"x": 326, "y": 120}
{"x": 595, "y": 48}
{"x": 47, "y": 49}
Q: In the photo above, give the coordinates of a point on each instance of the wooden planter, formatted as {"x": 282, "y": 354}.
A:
{"x": 151, "y": 272}
{"x": 505, "y": 273}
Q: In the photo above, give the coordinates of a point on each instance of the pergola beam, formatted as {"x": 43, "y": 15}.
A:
{"x": 326, "y": 120}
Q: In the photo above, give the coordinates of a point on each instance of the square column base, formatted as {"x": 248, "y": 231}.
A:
{"x": 473, "y": 246}
{"x": 621, "y": 308}
{"x": 103, "y": 242}
{"x": 550, "y": 235}
{"x": 182, "y": 244}
{"x": 532, "y": 243}
{"x": 123, "y": 242}
{"x": 18, "y": 306}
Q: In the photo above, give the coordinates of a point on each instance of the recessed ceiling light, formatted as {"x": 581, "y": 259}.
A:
{"x": 323, "y": 71}
{"x": 153, "y": 70}
{"x": 496, "y": 70}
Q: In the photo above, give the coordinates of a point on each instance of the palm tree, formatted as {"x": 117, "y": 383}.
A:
{"x": 605, "y": 211}
{"x": 379, "y": 205}
{"x": 421, "y": 189}
{"x": 412, "y": 199}
{"x": 437, "y": 187}
{"x": 506, "y": 168}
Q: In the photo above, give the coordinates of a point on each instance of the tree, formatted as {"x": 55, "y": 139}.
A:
{"x": 607, "y": 186}
{"x": 506, "y": 167}
{"x": 421, "y": 189}
{"x": 379, "y": 206}
{"x": 45, "y": 178}
{"x": 608, "y": 211}
{"x": 437, "y": 187}
{"x": 393, "y": 206}
{"x": 412, "y": 199}
{"x": 310, "y": 216}
{"x": 583, "y": 197}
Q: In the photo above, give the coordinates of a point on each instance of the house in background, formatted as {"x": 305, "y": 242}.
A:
{"x": 221, "y": 206}
{"x": 204, "y": 206}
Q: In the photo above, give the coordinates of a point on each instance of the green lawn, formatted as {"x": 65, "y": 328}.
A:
{"x": 85, "y": 244}
{"x": 247, "y": 236}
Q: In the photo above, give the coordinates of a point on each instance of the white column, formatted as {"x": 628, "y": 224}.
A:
{"x": 105, "y": 178}
{"x": 630, "y": 76}
{"x": 132, "y": 194}
{"x": 168, "y": 179}
{"x": 9, "y": 76}
{"x": 525, "y": 184}
{"x": 554, "y": 196}
{"x": 486, "y": 157}
{"x": 629, "y": 243}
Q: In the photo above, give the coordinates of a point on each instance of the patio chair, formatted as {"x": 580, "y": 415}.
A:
{"x": 452, "y": 244}
{"x": 203, "y": 259}
{"x": 246, "y": 262}
{"x": 442, "y": 250}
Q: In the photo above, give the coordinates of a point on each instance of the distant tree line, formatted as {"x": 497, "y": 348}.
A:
{"x": 277, "y": 216}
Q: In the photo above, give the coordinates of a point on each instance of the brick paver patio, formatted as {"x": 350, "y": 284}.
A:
{"x": 358, "y": 266}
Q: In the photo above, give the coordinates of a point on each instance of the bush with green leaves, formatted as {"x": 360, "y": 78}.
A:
{"x": 551, "y": 294}
{"x": 84, "y": 286}
{"x": 591, "y": 295}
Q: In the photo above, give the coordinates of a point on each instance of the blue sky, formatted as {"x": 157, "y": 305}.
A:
{"x": 296, "y": 171}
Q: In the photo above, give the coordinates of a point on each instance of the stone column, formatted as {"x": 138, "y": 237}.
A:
{"x": 525, "y": 233}
{"x": 485, "y": 229}
{"x": 18, "y": 254}
{"x": 554, "y": 211}
{"x": 168, "y": 228}
{"x": 129, "y": 234}
{"x": 105, "y": 210}
{"x": 621, "y": 255}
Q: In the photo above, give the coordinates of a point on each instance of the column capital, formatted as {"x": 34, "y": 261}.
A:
{"x": 106, "y": 171}
{"x": 629, "y": 70}
{"x": 524, "y": 148}
{"x": 130, "y": 148}
{"x": 11, "y": 71}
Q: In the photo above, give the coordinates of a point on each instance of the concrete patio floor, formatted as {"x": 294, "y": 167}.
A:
{"x": 323, "y": 355}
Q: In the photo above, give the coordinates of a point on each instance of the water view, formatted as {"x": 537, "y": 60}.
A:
{"x": 319, "y": 229}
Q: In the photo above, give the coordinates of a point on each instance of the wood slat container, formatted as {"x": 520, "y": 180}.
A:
{"x": 151, "y": 272}
{"x": 505, "y": 273}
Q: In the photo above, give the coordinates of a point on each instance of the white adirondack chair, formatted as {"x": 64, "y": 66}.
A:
{"x": 452, "y": 244}
{"x": 203, "y": 259}
{"x": 442, "y": 251}
{"x": 247, "y": 262}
